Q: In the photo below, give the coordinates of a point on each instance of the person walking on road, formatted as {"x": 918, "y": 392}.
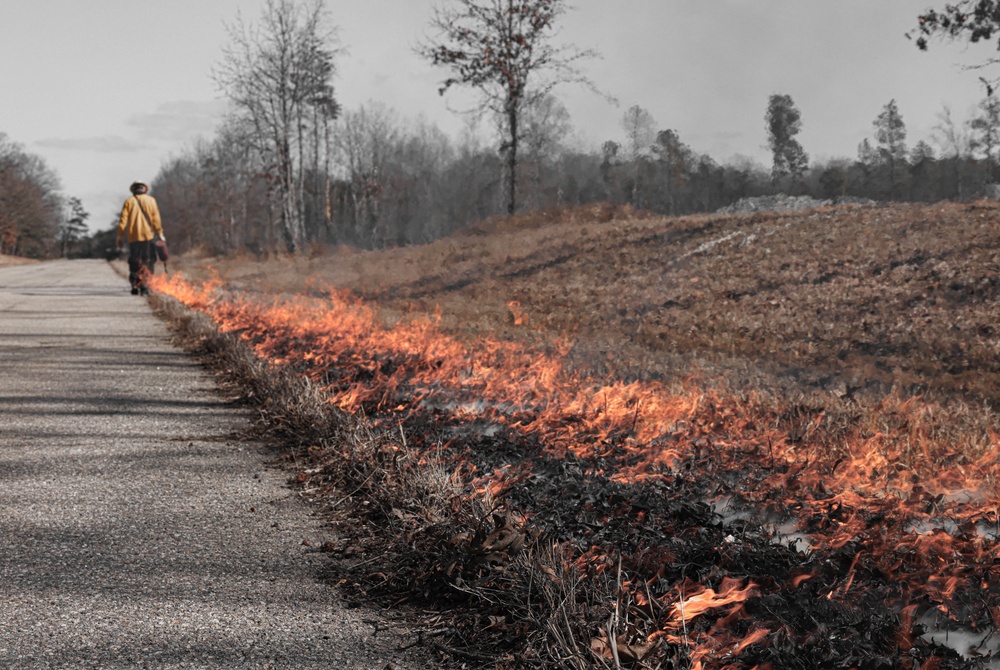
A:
{"x": 140, "y": 224}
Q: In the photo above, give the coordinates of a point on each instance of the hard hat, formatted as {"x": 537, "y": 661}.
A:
{"x": 137, "y": 184}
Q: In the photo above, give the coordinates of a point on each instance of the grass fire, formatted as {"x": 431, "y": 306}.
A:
{"x": 592, "y": 438}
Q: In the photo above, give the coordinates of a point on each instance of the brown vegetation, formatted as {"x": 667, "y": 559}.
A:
{"x": 856, "y": 300}
{"x": 638, "y": 526}
{"x": 6, "y": 260}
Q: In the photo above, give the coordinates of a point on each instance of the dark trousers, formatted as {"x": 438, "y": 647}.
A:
{"x": 141, "y": 259}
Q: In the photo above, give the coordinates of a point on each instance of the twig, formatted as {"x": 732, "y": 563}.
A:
{"x": 422, "y": 634}
{"x": 635, "y": 417}
{"x": 367, "y": 561}
{"x": 463, "y": 654}
{"x": 360, "y": 486}
{"x": 613, "y": 623}
{"x": 680, "y": 606}
{"x": 573, "y": 646}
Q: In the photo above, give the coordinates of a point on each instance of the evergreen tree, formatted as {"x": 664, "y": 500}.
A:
{"x": 674, "y": 159}
{"x": 74, "y": 228}
{"x": 890, "y": 134}
{"x": 784, "y": 121}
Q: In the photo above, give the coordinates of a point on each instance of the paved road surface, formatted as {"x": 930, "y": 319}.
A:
{"x": 135, "y": 530}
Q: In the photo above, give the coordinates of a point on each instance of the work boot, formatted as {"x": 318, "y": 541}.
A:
{"x": 135, "y": 290}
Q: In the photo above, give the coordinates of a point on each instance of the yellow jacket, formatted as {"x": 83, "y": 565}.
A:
{"x": 133, "y": 225}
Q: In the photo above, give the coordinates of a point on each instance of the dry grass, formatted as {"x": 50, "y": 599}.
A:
{"x": 406, "y": 513}
{"x": 7, "y": 261}
{"x": 853, "y": 300}
{"x": 819, "y": 326}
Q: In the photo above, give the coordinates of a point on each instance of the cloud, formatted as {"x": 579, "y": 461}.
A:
{"x": 179, "y": 121}
{"x": 106, "y": 144}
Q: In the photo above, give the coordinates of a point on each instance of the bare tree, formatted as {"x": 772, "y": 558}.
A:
{"x": 956, "y": 145}
{"x": 278, "y": 76}
{"x": 503, "y": 48}
{"x": 546, "y": 125}
{"x": 31, "y": 207}
{"x": 215, "y": 195}
{"x": 365, "y": 140}
{"x": 417, "y": 201}
{"x": 640, "y": 131}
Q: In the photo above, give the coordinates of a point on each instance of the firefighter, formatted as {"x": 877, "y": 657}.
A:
{"x": 140, "y": 224}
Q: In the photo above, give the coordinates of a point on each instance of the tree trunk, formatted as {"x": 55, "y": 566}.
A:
{"x": 512, "y": 158}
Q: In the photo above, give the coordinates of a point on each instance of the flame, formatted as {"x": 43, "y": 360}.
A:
{"x": 718, "y": 642}
{"x": 886, "y": 466}
{"x": 341, "y": 343}
{"x": 517, "y": 313}
{"x": 685, "y": 610}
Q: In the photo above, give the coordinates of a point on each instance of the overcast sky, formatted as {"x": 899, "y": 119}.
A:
{"x": 106, "y": 90}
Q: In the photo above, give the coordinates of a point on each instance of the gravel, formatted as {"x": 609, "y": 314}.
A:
{"x": 782, "y": 203}
{"x": 137, "y": 529}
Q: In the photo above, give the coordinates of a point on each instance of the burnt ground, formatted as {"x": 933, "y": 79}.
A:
{"x": 808, "y": 336}
{"x": 712, "y": 521}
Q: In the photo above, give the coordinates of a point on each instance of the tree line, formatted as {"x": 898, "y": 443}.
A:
{"x": 290, "y": 167}
{"x": 385, "y": 180}
{"x": 36, "y": 220}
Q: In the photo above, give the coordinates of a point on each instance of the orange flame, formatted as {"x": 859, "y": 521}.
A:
{"x": 837, "y": 478}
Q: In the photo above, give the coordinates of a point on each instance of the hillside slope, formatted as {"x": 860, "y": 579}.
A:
{"x": 822, "y": 520}
{"x": 852, "y": 299}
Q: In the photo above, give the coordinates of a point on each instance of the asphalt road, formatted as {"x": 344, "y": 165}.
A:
{"x": 136, "y": 529}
